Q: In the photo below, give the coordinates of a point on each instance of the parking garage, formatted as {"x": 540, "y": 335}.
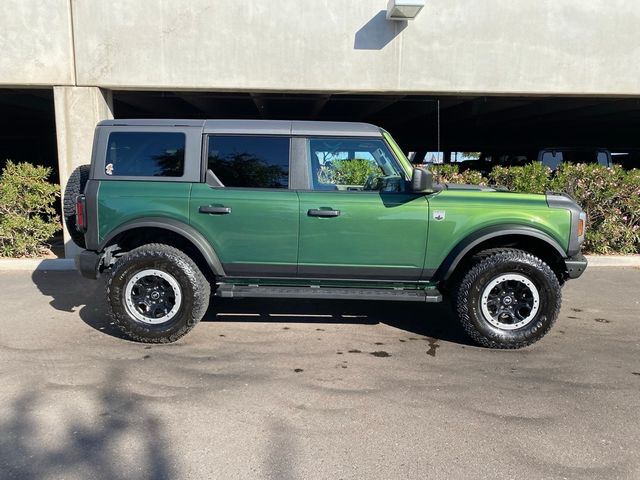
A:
{"x": 420, "y": 123}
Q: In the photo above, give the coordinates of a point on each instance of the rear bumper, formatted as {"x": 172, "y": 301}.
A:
{"x": 576, "y": 265}
{"x": 88, "y": 264}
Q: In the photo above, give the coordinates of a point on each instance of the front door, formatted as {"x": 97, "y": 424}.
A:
{"x": 357, "y": 221}
{"x": 245, "y": 208}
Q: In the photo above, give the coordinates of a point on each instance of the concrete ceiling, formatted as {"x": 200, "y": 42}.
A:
{"x": 467, "y": 123}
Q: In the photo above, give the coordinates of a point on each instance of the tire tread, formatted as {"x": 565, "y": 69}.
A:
{"x": 202, "y": 292}
{"x": 491, "y": 258}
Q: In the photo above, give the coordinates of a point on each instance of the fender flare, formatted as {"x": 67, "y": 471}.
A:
{"x": 186, "y": 231}
{"x": 455, "y": 256}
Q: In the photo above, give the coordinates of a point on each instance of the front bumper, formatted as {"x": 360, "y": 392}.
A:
{"x": 576, "y": 265}
{"x": 88, "y": 264}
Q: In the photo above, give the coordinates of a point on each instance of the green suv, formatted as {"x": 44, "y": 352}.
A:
{"x": 179, "y": 211}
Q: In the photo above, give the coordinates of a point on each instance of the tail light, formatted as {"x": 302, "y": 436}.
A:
{"x": 81, "y": 223}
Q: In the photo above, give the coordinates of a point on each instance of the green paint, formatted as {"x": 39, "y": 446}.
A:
{"x": 467, "y": 211}
{"x": 262, "y": 227}
{"x": 373, "y": 230}
{"x": 120, "y": 201}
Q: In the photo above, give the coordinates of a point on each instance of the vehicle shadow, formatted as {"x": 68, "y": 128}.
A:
{"x": 69, "y": 292}
{"x": 429, "y": 320}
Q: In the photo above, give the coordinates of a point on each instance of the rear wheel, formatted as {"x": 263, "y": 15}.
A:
{"x": 508, "y": 299}
{"x": 157, "y": 294}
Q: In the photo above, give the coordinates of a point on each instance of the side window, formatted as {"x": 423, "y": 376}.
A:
{"x": 249, "y": 161}
{"x": 145, "y": 154}
{"x": 552, "y": 159}
{"x": 603, "y": 159}
{"x": 353, "y": 164}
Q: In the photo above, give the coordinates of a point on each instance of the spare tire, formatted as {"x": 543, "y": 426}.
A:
{"x": 75, "y": 186}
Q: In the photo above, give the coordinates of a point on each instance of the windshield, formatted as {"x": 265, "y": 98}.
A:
{"x": 404, "y": 161}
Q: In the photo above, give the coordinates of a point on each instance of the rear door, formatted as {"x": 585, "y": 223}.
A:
{"x": 245, "y": 209}
{"x": 357, "y": 220}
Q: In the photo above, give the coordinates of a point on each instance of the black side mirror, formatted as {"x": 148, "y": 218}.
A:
{"x": 421, "y": 180}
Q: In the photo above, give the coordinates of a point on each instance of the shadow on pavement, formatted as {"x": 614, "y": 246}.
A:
{"x": 429, "y": 320}
{"x": 90, "y": 442}
{"x": 69, "y": 292}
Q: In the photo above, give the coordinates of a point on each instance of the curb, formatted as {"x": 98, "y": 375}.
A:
{"x": 65, "y": 264}
{"x": 613, "y": 260}
{"x": 36, "y": 264}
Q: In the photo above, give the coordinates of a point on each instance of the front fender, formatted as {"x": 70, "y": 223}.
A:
{"x": 455, "y": 256}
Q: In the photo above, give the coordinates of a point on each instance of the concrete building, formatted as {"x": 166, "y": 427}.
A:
{"x": 504, "y": 73}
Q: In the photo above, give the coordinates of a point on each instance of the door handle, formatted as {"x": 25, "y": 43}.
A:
{"x": 319, "y": 212}
{"x": 214, "y": 209}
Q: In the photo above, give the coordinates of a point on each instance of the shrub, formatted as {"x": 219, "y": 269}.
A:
{"x": 450, "y": 173}
{"x": 611, "y": 198}
{"x": 531, "y": 178}
{"x": 27, "y": 216}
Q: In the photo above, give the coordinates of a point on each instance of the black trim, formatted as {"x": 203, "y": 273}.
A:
{"x": 461, "y": 249}
{"x": 91, "y": 219}
{"x": 563, "y": 200}
{"x": 188, "y": 232}
{"x": 576, "y": 265}
{"x": 88, "y": 264}
{"x": 214, "y": 209}
{"x": 298, "y": 168}
{"x": 328, "y": 293}
{"x": 321, "y": 212}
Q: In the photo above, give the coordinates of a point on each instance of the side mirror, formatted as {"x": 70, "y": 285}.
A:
{"x": 421, "y": 180}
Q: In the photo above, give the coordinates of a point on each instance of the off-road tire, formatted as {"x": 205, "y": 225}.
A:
{"x": 195, "y": 291}
{"x": 491, "y": 264}
{"x": 75, "y": 186}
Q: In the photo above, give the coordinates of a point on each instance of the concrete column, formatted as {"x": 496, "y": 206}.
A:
{"x": 78, "y": 109}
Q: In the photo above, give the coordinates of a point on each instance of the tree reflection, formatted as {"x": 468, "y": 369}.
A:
{"x": 169, "y": 163}
{"x": 247, "y": 170}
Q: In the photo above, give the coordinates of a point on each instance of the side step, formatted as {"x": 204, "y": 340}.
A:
{"x": 330, "y": 293}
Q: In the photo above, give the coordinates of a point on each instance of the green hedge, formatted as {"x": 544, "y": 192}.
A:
{"x": 27, "y": 216}
{"x": 610, "y": 196}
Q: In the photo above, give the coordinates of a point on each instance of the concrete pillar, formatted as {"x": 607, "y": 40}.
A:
{"x": 78, "y": 109}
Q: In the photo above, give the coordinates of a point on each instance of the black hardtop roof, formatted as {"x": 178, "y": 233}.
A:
{"x": 265, "y": 127}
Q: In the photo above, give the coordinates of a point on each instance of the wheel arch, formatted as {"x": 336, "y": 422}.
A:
{"x": 522, "y": 237}
{"x": 165, "y": 230}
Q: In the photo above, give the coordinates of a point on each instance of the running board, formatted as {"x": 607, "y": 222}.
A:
{"x": 431, "y": 295}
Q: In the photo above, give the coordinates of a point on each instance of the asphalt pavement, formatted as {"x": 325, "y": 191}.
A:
{"x": 316, "y": 390}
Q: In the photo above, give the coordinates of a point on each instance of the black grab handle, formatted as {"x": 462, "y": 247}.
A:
{"x": 217, "y": 210}
{"x": 319, "y": 212}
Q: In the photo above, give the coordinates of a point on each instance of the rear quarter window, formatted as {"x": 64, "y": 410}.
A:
{"x": 145, "y": 154}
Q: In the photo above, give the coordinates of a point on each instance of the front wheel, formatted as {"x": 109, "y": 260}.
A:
{"x": 508, "y": 299}
{"x": 156, "y": 294}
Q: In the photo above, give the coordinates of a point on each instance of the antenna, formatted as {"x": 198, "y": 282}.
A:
{"x": 438, "y": 120}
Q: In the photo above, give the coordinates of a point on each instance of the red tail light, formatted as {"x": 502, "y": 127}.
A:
{"x": 80, "y": 219}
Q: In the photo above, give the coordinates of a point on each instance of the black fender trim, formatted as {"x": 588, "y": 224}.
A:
{"x": 467, "y": 244}
{"x": 176, "y": 226}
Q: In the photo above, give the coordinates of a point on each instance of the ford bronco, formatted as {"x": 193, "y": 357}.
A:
{"x": 179, "y": 212}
